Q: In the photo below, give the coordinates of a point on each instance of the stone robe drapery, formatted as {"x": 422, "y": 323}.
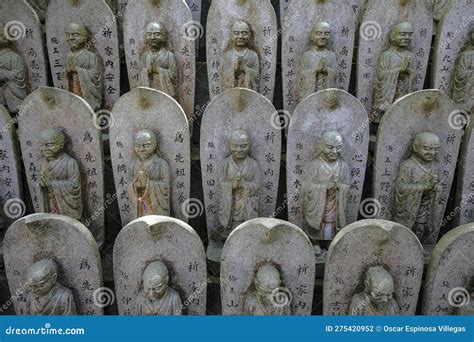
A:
{"x": 323, "y": 205}
{"x": 83, "y": 76}
{"x": 169, "y": 305}
{"x": 312, "y": 81}
{"x": 253, "y": 307}
{"x": 58, "y": 302}
{"x": 391, "y": 83}
{"x": 64, "y": 195}
{"x": 360, "y": 305}
{"x": 155, "y": 198}
{"x": 165, "y": 76}
{"x": 239, "y": 205}
{"x": 463, "y": 87}
{"x": 249, "y": 78}
{"x": 13, "y": 89}
{"x": 410, "y": 193}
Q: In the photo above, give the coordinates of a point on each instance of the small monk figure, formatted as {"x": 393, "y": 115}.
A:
{"x": 463, "y": 87}
{"x": 267, "y": 300}
{"x": 239, "y": 185}
{"x": 47, "y": 297}
{"x": 159, "y": 66}
{"x": 417, "y": 190}
{"x": 60, "y": 181}
{"x": 83, "y": 75}
{"x": 156, "y": 298}
{"x": 395, "y": 70}
{"x": 150, "y": 178}
{"x": 377, "y": 297}
{"x": 318, "y": 64}
{"x": 240, "y": 64}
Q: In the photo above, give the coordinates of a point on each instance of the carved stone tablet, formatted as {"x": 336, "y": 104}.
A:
{"x": 236, "y": 118}
{"x": 22, "y": 54}
{"x": 166, "y": 168}
{"x": 312, "y": 61}
{"x": 377, "y": 55}
{"x": 39, "y": 7}
{"x": 420, "y": 182}
{"x": 38, "y": 247}
{"x": 323, "y": 112}
{"x": 241, "y": 46}
{"x": 465, "y": 183}
{"x": 11, "y": 189}
{"x": 155, "y": 239}
{"x": 453, "y": 70}
{"x": 273, "y": 248}
{"x": 88, "y": 62}
{"x": 383, "y": 246}
{"x": 166, "y": 63}
{"x": 62, "y": 153}
{"x": 450, "y": 275}
{"x": 439, "y": 7}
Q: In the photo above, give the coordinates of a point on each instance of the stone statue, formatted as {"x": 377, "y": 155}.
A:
{"x": 150, "y": 178}
{"x": 263, "y": 301}
{"x": 377, "y": 297}
{"x": 468, "y": 308}
{"x": 463, "y": 89}
{"x": 318, "y": 64}
{"x": 416, "y": 189}
{"x": 395, "y": 70}
{"x": 13, "y": 88}
{"x": 326, "y": 184}
{"x": 239, "y": 185}
{"x": 83, "y": 74}
{"x": 240, "y": 65}
{"x": 60, "y": 182}
{"x": 159, "y": 65}
{"x": 156, "y": 298}
{"x": 46, "y": 295}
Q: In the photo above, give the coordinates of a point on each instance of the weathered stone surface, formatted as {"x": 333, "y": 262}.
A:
{"x": 300, "y": 20}
{"x": 464, "y": 192}
{"x": 177, "y": 20}
{"x": 261, "y": 20}
{"x": 268, "y": 241}
{"x": 145, "y": 108}
{"x": 11, "y": 188}
{"x": 238, "y": 109}
{"x": 23, "y": 36}
{"x": 100, "y": 23}
{"x": 439, "y": 7}
{"x": 311, "y": 119}
{"x": 452, "y": 69}
{"x": 422, "y": 111}
{"x": 380, "y": 16}
{"x": 40, "y": 7}
{"x": 450, "y": 275}
{"x": 368, "y": 243}
{"x": 173, "y": 242}
{"x": 56, "y": 108}
{"x": 64, "y": 240}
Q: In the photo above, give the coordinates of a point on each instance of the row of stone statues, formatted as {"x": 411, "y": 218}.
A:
{"x": 245, "y": 57}
{"x": 154, "y": 276}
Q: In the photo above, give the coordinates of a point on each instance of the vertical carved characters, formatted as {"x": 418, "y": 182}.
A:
{"x": 240, "y": 64}
{"x": 417, "y": 190}
{"x": 463, "y": 89}
{"x": 47, "y": 297}
{"x": 83, "y": 73}
{"x": 318, "y": 64}
{"x": 159, "y": 65}
{"x": 395, "y": 70}
{"x": 13, "y": 88}
{"x": 239, "y": 185}
{"x": 156, "y": 298}
{"x": 60, "y": 183}
{"x": 326, "y": 187}
{"x": 150, "y": 177}
{"x": 263, "y": 300}
{"x": 377, "y": 296}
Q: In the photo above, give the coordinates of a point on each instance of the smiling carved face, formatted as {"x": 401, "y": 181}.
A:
{"x": 240, "y": 34}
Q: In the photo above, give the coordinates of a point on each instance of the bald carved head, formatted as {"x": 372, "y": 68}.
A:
{"x": 401, "y": 35}
{"x": 52, "y": 142}
{"x": 156, "y": 35}
{"x": 42, "y": 276}
{"x": 241, "y": 34}
{"x": 320, "y": 34}
{"x": 155, "y": 280}
{"x": 426, "y": 146}
{"x": 76, "y": 36}
{"x": 145, "y": 144}
{"x": 331, "y": 145}
{"x": 379, "y": 286}
{"x": 239, "y": 144}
